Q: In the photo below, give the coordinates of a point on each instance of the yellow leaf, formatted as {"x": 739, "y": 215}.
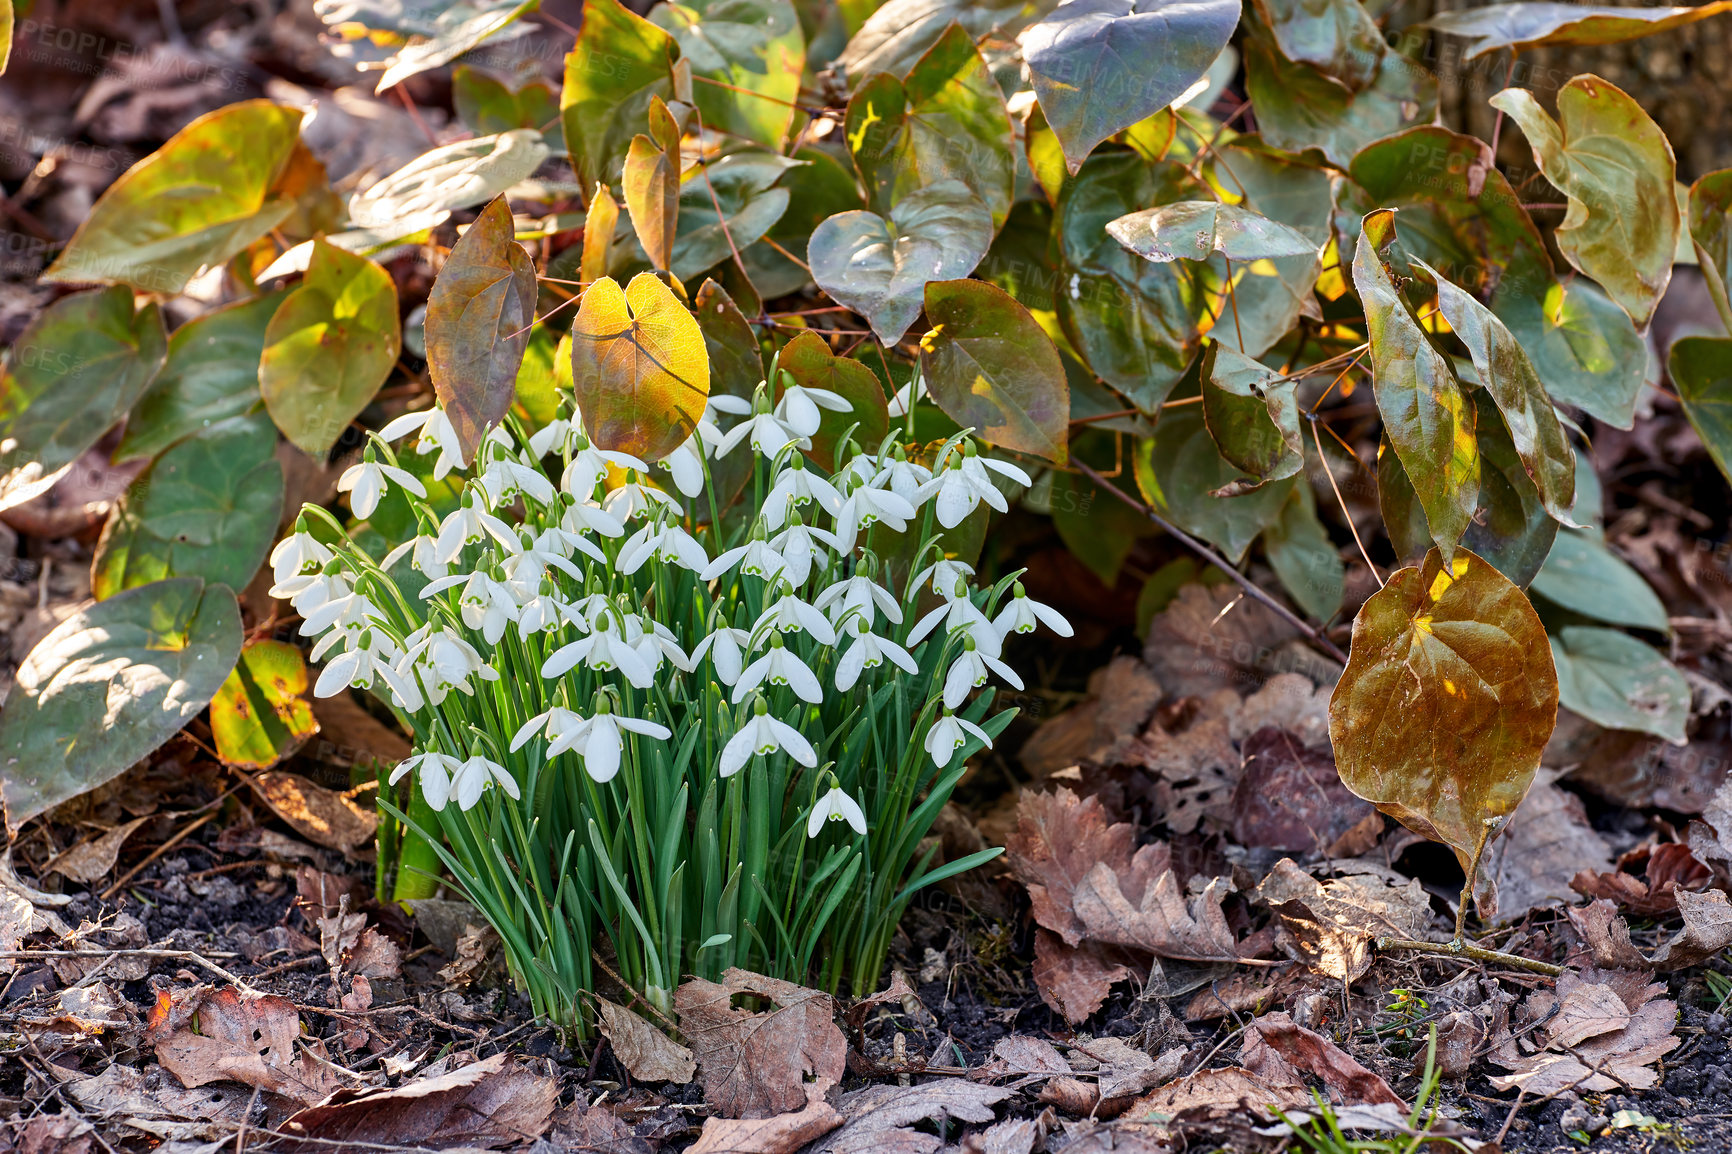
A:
{"x": 638, "y": 366}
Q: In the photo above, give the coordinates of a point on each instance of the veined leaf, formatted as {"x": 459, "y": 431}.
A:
{"x": 1253, "y": 416}
{"x": 1199, "y": 229}
{"x": 1303, "y": 556}
{"x": 880, "y": 268}
{"x": 651, "y": 181}
{"x": 989, "y": 366}
{"x": 1582, "y": 575}
{"x": 745, "y": 185}
{"x": 808, "y": 359}
{"x": 753, "y": 47}
{"x": 108, "y": 685}
{"x": 489, "y": 106}
{"x": 460, "y": 175}
{"x": 900, "y": 32}
{"x": 1701, "y": 370}
{"x": 208, "y": 508}
{"x": 638, "y": 366}
{"x": 619, "y": 62}
{"x": 1711, "y": 236}
{"x": 261, "y": 713}
{"x": 193, "y": 203}
{"x": 598, "y": 225}
{"x": 478, "y": 318}
{"x": 71, "y": 374}
{"x": 328, "y": 348}
{"x": 1179, "y": 469}
{"x": 1615, "y": 167}
{"x": 1617, "y": 682}
{"x": 1337, "y": 37}
{"x": 817, "y": 190}
{"x": 1448, "y": 698}
{"x": 1099, "y": 66}
{"x": 1525, "y": 25}
{"x": 455, "y": 30}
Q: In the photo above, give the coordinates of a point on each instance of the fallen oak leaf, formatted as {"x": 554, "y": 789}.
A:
{"x": 1074, "y": 981}
{"x": 878, "y": 1117}
{"x": 752, "y": 1065}
{"x": 781, "y": 1134}
{"x": 322, "y": 816}
{"x": 94, "y": 859}
{"x": 1162, "y": 923}
{"x": 1334, "y": 922}
{"x": 1059, "y": 839}
{"x": 647, "y": 1054}
{"x": 1311, "y": 1052}
{"x": 1707, "y": 930}
{"x": 206, "y": 1035}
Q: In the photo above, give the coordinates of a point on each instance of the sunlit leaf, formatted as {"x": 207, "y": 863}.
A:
{"x": 261, "y": 714}
{"x": 108, "y": 685}
{"x": 1448, "y": 698}
{"x": 1583, "y": 575}
{"x": 754, "y": 50}
{"x": 1701, "y": 370}
{"x": 880, "y": 268}
{"x": 818, "y": 189}
{"x": 488, "y": 105}
{"x": 478, "y": 318}
{"x": 1525, "y": 25}
{"x": 1102, "y": 65}
{"x": 453, "y": 176}
{"x": 808, "y": 359}
{"x": 329, "y": 346}
{"x": 1615, "y": 681}
{"x": 315, "y": 207}
{"x": 598, "y": 225}
{"x": 1253, "y": 416}
{"x": 745, "y": 185}
{"x": 1710, "y": 227}
{"x": 456, "y": 30}
{"x": 71, "y": 374}
{"x": 5, "y": 33}
{"x": 638, "y": 366}
{"x": 1615, "y": 167}
{"x": 535, "y": 393}
{"x": 1198, "y": 229}
{"x": 900, "y": 32}
{"x": 1179, "y": 469}
{"x": 208, "y": 507}
{"x": 619, "y": 62}
{"x": 1303, "y": 556}
{"x": 195, "y": 202}
{"x": 651, "y": 182}
{"x": 1426, "y": 414}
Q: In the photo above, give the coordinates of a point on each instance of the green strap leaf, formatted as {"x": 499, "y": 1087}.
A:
{"x": 1617, "y": 682}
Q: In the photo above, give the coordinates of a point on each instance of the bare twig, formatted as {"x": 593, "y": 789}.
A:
{"x": 1471, "y": 952}
{"x": 179, "y": 837}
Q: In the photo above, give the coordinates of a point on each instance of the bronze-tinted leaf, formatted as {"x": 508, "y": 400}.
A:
{"x": 1525, "y": 25}
{"x": 261, "y": 713}
{"x": 638, "y": 366}
{"x": 1448, "y": 697}
{"x": 808, "y": 359}
{"x": 598, "y": 225}
{"x": 619, "y": 62}
{"x": 652, "y": 184}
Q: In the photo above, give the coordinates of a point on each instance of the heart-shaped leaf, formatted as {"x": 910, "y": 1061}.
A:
{"x": 478, "y": 318}
{"x": 457, "y": 29}
{"x": 880, "y": 268}
{"x": 72, "y": 373}
{"x": 1304, "y": 557}
{"x": 744, "y": 185}
{"x": 328, "y": 348}
{"x": 1584, "y": 576}
{"x": 1448, "y": 698}
{"x": 1615, "y": 681}
{"x": 1426, "y": 414}
{"x": 1254, "y": 417}
{"x": 212, "y": 374}
{"x": 108, "y": 685}
{"x": 895, "y": 36}
{"x": 1337, "y": 37}
{"x": 488, "y": 105}
{"x": 208, "y": 507}
{"x": 638, "y": 366}
{"x": 261, "y": 714}
{"x": 460, "y": 175}
{"x": 651, "y": 182}
{"x": 1525, "y": 25}
{"x": 1198, "y": 229}
{"x": 1179, "y": 470}
{"x": 1701, "y": 371}
{"x": 1102, "y": 65}
{"x": 193, "y": 203}
{"x": 991, "y": 367}
{"x": 1615, "y": 166}
{"x": 818, "y": 189}
{"x": 1711, "y": 236}
{"x": 619, "y": 62}
{"x": 753, "y": 50}
{"x": 808, "y": 359}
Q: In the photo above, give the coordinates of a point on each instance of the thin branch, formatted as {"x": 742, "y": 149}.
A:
{"x": 1470, "y": 952}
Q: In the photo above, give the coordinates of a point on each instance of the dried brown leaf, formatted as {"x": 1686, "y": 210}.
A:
{"x": 206, "y": 1035}
{"x": 1333, "y": 922}
{"x": 124, "y": 1094}
{"x": 1074, "y": 981}
{"x": 782, "y": 1134}
{"x": 1289, "y": 797}
{"x": 752, "y": 1065}
{"x": 322, "y": 816}
{"x": 1707, "y": 930}
{"x": 1314, "y": 1054}
{"x": 647, "y": 1053}
{"x": 1162, "y": 922}
{"x": 1023, "y": 1058}
{"x": 1667, "y": 868}
{"x": 91, "y": 860}
{"x": 1586, "y": 1011}
{"x": 1228, "y": 1090}
{"x": 879, "y": 1116}
{"x": 1621, "y": 1059}
{"x": 1059, "y": 838}
{"x": 491, "y": 1103}
{"x": 1531, "y": 864}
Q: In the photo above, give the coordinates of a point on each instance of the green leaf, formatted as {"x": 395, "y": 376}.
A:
{"x": 1615, "y": 167}
{"x": 736, "y": 370}
{"x": 808, "y": 359}
{"x": 457, "y": 29}
{"x": 754, "y": 45}
{"x": 1097, "y": 528}
{"x": 1198, "y": 229}
{"x": 817, "y": 190}
{"x": 1525, "y": 25}
{"x": 110, "y": 684}
{"x": 478, "y": 318}
{"x": 1701, "y": 371}
{"x": 462, "y": 175}
{"x": 1583, "y": 575}
{"x": 1253, "y": 416}
{"x": 328, "y": 348}
{"x": 946, "y": 121}
{"x": 535, "y": 393}
{"x": 989, "y": 366}
{"x": 619, "y": 62}
{"x": 488, "y": 105}
{"x": 1448, "y": 698}
{"x": 1337, "y": 37}
{"x": 71, "y": 374}
{"x": 1458, "y": 213}
{"x": 1711, "y": 237}
{"x": 1304, "y": 558}
{"x": 880, "y": 268}
{"x": 1178, "y": 470}
{"x": 745, "y": 183}
{"x": 193, "y": 203}
{"x": 261, "y": 713}
{"x": 901, "y": 31}
{"x": 208, "y": 507}
{"x": 1617, "y": 682}
{"x": 1099, "y": 66}
{"x": 639, "y": 367}
{"x": 1426, "y": 414}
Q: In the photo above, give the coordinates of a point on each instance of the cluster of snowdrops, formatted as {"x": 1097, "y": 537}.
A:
{"x": 636, "y": 697}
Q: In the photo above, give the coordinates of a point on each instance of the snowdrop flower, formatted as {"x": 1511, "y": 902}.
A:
{"x": 590, "y": 464}
{"x": 668, "y": 543}
{"x": 686, "y": 464}
{"x": 798, "y": 408}
{"x": 761, "y": 735}
{"x": 1024, "y": 611}
{"x": 903, "y": 477}
{"x": 588, "y": 517}
{"x": 859, "y": 594}
{"x": 835, "y": 806}
{"x": 636, "y": 499}
{"x": 349, "y": 610}
{"x": 959, "y": 494}
{"x": 960, "y": 613}
{"x": 755, "y": 557}
{"x": 907, "y": 397}
{"x": 504, "y": 479}
{"x": 359, "y": 667}
{"x": 423, "y": 552}
{"x": 600, "y": 743}
{"x": 976, "y": 467}
{"x": 795, "y": 486}
{"x": 442, "y": 661}
{"x": 869, "y": 651}
{"x": 968, "y": 671}
{"x": 552, "y": 437}
{"x": 790, "y": 614}
{"x": 434, "y": 770}
{"x": 308, "y": 591}
{"x": 367, "y": 482}
{"x": 485, "y": 604}
{"x": 768, "y": 434}
{"x": 602, "y": 650}
{"x": 543, "y": 613}
{"x": 468, "y": 525}
{"x": 949, "y": 734}
{"x": 726, "y": 649}
{"x": 865, "y": 506}
{"x": 949, "y": 578}
{"x": 657, "y": 643}
{"x": 562, "y": 728}
{"x": 437, "y": 432}
{"x": 299, "y": 554}
{"x": 780, "y": 666}
{"x": 525, "y": 569}
{"x": 798, "y": 545}
{"x": 471, "y": 778}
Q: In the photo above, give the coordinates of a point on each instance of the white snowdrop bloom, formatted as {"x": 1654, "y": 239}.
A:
{"x": 869, "y": 651}
{"x": 960, "y": 613}
{"x": 865, "y": 506}
{"x": 635, "y": 498}
{"x": 562, "y": 727}
{"x": 768, "y": 435}
{"x": 779, "y": 666}
{"x": 437, "y": 432}
{"x": 434, "y": 771}
{"x": 359, "y": 667}
{"x": 599, "y": 740}
{"x": 977, "y": 468}
{"x": 442, "y": 661}
{"x": 367, "y": 482}
{"x": 796, "y": 486}
{"x": 470, "y": 779}
{"x": 1023, "y": 612}
{"x": 949, "y": 578}
{"x": 755, "y": 557}
{"x": 763, "y": 734}
{"x": 582, "y": 516}
{"x": 835, "y": 806}
{"x": 552, "y": 437}
{"x": 667, "y": 542}
{"x": 686, "y": 464}
{"x": 367, "y": 635}
{"x": 903, "y": 477}
{"x": 603, "y": 649}
{"x": 348, "y": 610}
{"x": 589, "y": 466}
{"x": 589, "y": 609}
{"x": 484, "y": 604}
{"x": 799, "y": 408}
{"x": 798, "y": 545}
{"x": 789, "y": 614}
{"x": 542, "y": 613}
{"x": 308, "y": 591}
{"x": 726, "y": 649}
{"x": 299, "y": 554}
{"x": 657, "y": 643}
{"x": 423, "y": 552}
{"x": 968, "y": 671}
{"x": 907, "y": 397}
{"x": 504, "y": 480}
{"x": 958, "y": 494}
{"x": 468, "y": 525}
{"x": 525, "y": 569}
{"x": 949, "y": 734}
{"x": 860, "y": 469}
{"x": 860, "y": 595}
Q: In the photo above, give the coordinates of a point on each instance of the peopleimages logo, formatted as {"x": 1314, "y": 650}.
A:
{"x": 79, "y": 50}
